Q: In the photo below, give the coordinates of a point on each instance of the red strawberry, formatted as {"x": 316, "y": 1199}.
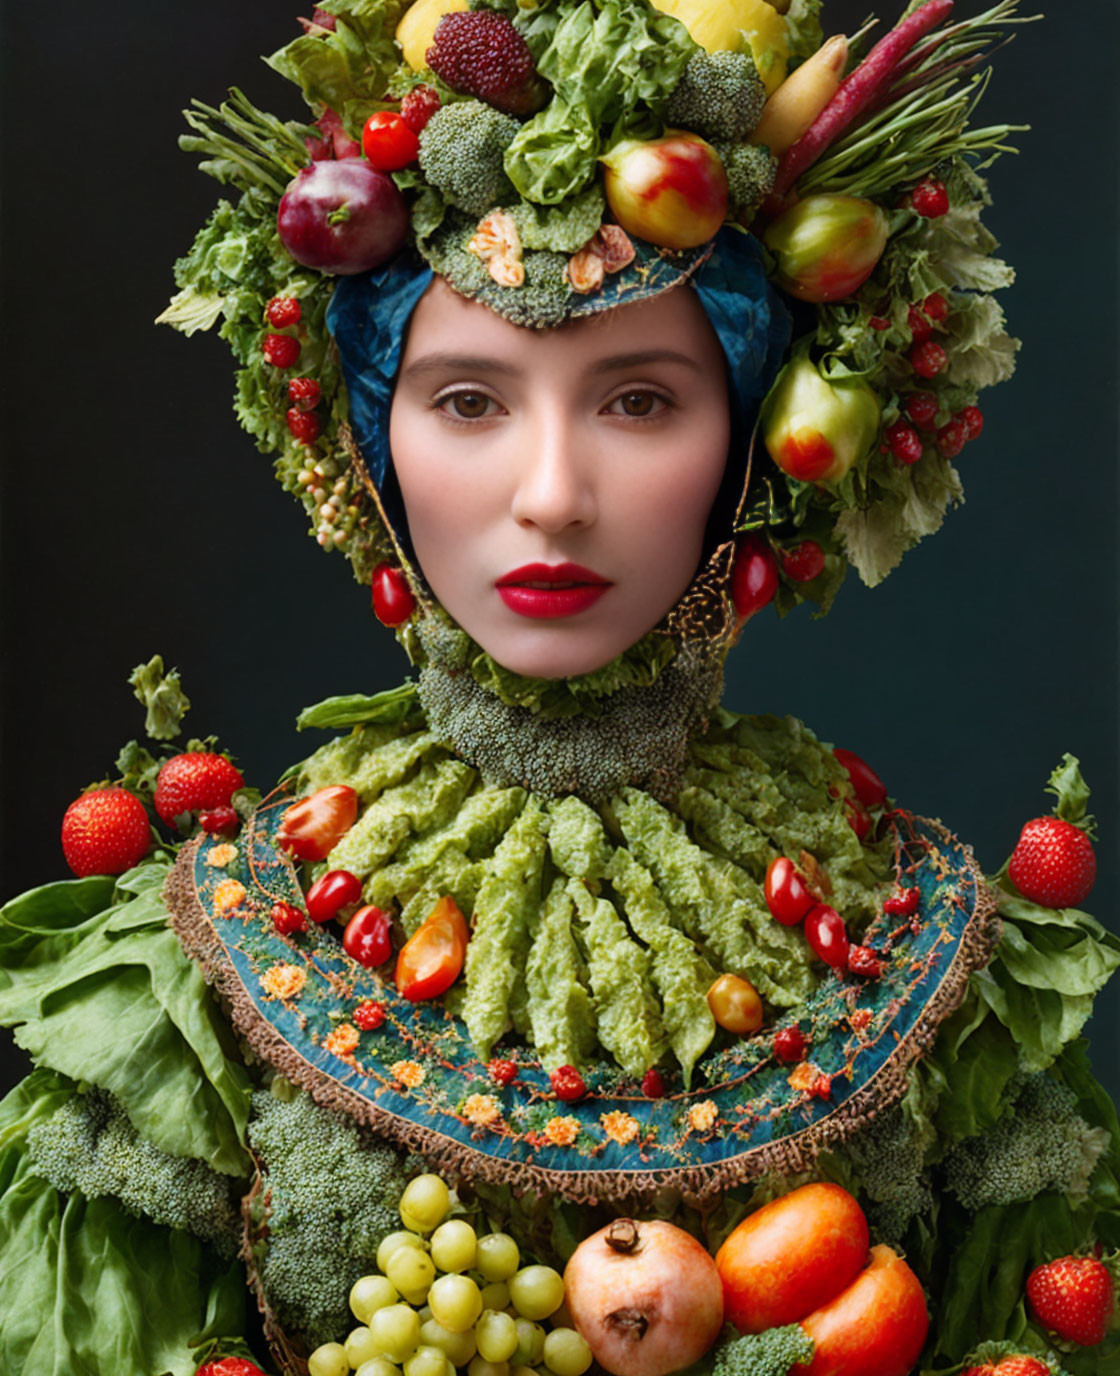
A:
{"x": 480, "y": 53}
{"x": 418, "y": 106}
{"x": 1053, "y": 863}
{"x": 197, "y": 780}
{"x": 1021, "y": 1366}
{"x": 229, "y": 1366}
{"x": 105, "y": 831}
{"x": 1073, "y": 1297}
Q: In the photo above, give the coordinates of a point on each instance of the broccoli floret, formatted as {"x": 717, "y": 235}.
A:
{"x": 333, "y": 1194}
{"x": 461, "y": 154}
{"x": 720, "y": 96}
{"x": 889, "y": 1156}
{"x": 1039, "y": 1143}
{"x": 750, "y": 172}
{"x": 772, "y": 1353}
{"x": 89, "y": 1144}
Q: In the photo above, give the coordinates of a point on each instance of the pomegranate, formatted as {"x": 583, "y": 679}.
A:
{"x": 646, "y": 1297}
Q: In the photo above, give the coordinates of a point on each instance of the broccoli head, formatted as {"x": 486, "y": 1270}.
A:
{"x": 720, "y": 96}
{"x": 772, "y": 1353}
{"x": 750, "y": 175}
{"x": 462, "y": 148}
{"x": 889, "y": 1157}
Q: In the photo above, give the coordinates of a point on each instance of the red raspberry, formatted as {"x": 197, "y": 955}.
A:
{"x": 903, "y": 442}
{"x": 502, "y": 1072}
{"x": 283, "y": 312}
{"x": 287, "y": 918}
{"x": 480, "y": 53}
{"x": 930, "y": 199}
{"x": 862, "y": 960}
{"x": 418, "y": 106}
{"x": 105, "y": 831}
{"x": 653, "y": 1086}
{"x": 220, "y": 821}
{"x": 1073, "y": 1297}
{"x": 936, "y": 307}
{"x": 904, "y": 903}
{"x": 928, "y": 359}
{"x": 803, "y": 562}
{"x": 567, "y": 1083}
{"x": 879, "y": 322}
{"x": 920, "y": 328}
{"x": 921, "y": 407}
{"x": 973, "y": 420}
{"x": 198, "y": 781}
{"x": 1053, "y": 863}
{"x": 790, "y": 1045}
{"x": 304, "y": 425}
{"x": 369, "y": 1015}
{"x": 281, "y": 350}
{"x": 305, "y": 393}
{"x": 952, "y": 438}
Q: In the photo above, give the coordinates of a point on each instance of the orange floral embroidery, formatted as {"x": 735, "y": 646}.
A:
{"x": 229, "y": 894}
{"x": 562, "y": 1132}
{"x": 620, "y": 1127}
{"x": 409, "y": 1073}
{"x": 702, "y": 1117}
{"x": 221, "y": 856}
{"x": 342, "y": 1040}
{"x": 283, "y": 981}
{"x": 482, "y": 1110}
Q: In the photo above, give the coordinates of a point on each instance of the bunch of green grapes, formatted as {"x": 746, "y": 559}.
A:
{"x": 446, "y": 1299}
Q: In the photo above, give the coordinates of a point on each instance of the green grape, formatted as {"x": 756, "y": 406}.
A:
{"x": 453, "y": 1245}
{"x": 456, "y": 1302}
{"x": 536, "y": 1291}
{"x": 370, "y": 1293}
{"x": 530, "y": 1343}
{"x": 425, "y": 1312}
{"x": 379, "y": 1366}
{"x": 425, "y": 1203}
{"x": 388, "y": 1245}
{"x": 498, "y": 1256}
{"x": 480, "y": 1367}
{"x": 428, "y": 1361}
{"x": 566, "y": 1353}
{"x": 496, "y": 1335}
{"x": 328, "y": 1360}
{"x": 361, "y": 1346}
{"x": 516, "y": 1371}
{"x": 458, "y": 1348}
{"x": 412, "y": 1272}
{"x": 395, "y": 1329}
{"x": 495, "y": 1295}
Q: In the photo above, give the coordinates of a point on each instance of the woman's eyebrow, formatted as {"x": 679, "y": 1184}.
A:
{"x": 459, "y": 363}
{"x": 640, "y": 357}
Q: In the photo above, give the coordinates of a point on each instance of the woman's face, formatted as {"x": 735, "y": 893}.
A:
{"x": 558, "y": 482}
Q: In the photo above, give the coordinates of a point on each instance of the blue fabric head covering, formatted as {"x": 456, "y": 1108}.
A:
{"x": 368, "y": 317}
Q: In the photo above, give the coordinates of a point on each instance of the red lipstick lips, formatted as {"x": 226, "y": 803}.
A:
{"x": 551, "y": 590}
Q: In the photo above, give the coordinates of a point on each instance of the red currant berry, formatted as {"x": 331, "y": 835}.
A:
{"x": 304, "y": 425}
{"x": 936, "y": 307}
{"x": 220, "y": 821}
{"x": 862, "y": 960}
{"x": 930, "y": 199}
{"x": 567, "y": 1083}
{"x": 653, "y": 1086}
{"x": 283, "y": 312}
{"x": 928, "y": 359}
{"x": 790, "y": 1045}
{"x": 920, "y": 328}
{"x": 903, "y": 442}
{"x": 922, "y": 408}
{"x": 369, "y": 1015}
{"x": 502, "y": 1072}
{"x": 952, "y": 438}
{"x": 281, "y": 350}
{"x": 973, "y": 420}
{"x": 904, "y": 903}
{"x": 879, "y": 322}
{"x": 418, "y": 106}
{"x": 393, "y": 602}
{"x": 287, "y": 919}
{"x": 305, "y": 393}
{"x": 821, "y": 1088}
{"x": 803, "y": 562}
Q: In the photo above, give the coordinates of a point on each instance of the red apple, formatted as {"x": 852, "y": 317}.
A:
{"x": 791, "y": 1256}
{"x": 876, "y": 1327}
{"x": 815, "y": 428}
{"x": 342, "y": 217}
{"x": 827, "y": 246}
{"x": 670, "y": 191}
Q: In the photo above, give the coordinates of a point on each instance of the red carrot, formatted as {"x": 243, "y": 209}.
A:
{"x": 858, "y": 91}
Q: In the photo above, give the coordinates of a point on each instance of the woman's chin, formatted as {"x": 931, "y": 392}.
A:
{"x": 556, "y": 653}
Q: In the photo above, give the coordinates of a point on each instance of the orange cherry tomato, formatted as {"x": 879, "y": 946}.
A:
{"x": 735, "y": 1004}
{"x": 311, "y": 828}
{"x": 432, "y": 958}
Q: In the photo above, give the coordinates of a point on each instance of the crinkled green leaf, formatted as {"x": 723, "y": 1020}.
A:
{"x": 163, "y": 697}
{"x": 355, "y": 709}
{"x": 981, "y": 352}
{"x": 1072, "y": 793}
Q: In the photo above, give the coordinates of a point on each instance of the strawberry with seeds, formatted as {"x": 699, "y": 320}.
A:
{"x": 105, "y": 831}
{"x": 1074, "y": 1297}
{"x": 196, "y": 781}
{"x": 1053, "y": 863}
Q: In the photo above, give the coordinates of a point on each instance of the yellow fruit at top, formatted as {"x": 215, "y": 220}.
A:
{"x": 417, "y": 26}
{"x": 734, "y": 25}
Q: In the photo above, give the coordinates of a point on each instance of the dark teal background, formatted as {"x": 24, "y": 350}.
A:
{"x": 137, "y": 516}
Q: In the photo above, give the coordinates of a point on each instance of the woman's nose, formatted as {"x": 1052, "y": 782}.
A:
{"x": 554, "y": 489}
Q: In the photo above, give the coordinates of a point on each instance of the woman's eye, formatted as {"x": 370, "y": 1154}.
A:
{"x": 467, "y": 405}
{"x": 638, "y": 404}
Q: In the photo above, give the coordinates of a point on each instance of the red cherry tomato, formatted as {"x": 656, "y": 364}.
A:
{"x": 388, "y": 143}
{"x": 870, "y": 789}
{"x": 787, "y": 895}
{"x": 287, "y": 918}
{"x": 393, "y": 602}
{"x": 311, "y": 828}
{"x": 858, "y": 817}
{"x": 431, "y": 959}
{"x": 333, "y": 891}
{"x": 567, "y": 1083}
{"x": 827, "y": 936}
{"x": 368, "y": 937}
{"x": 754, "y": 578}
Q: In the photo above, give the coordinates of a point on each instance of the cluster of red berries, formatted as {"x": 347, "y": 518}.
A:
{"x": 903, "y": 441}
{"x": 282, "y": 351}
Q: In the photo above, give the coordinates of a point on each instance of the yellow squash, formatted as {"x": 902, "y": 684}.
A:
{"x": 418, "y": 24}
